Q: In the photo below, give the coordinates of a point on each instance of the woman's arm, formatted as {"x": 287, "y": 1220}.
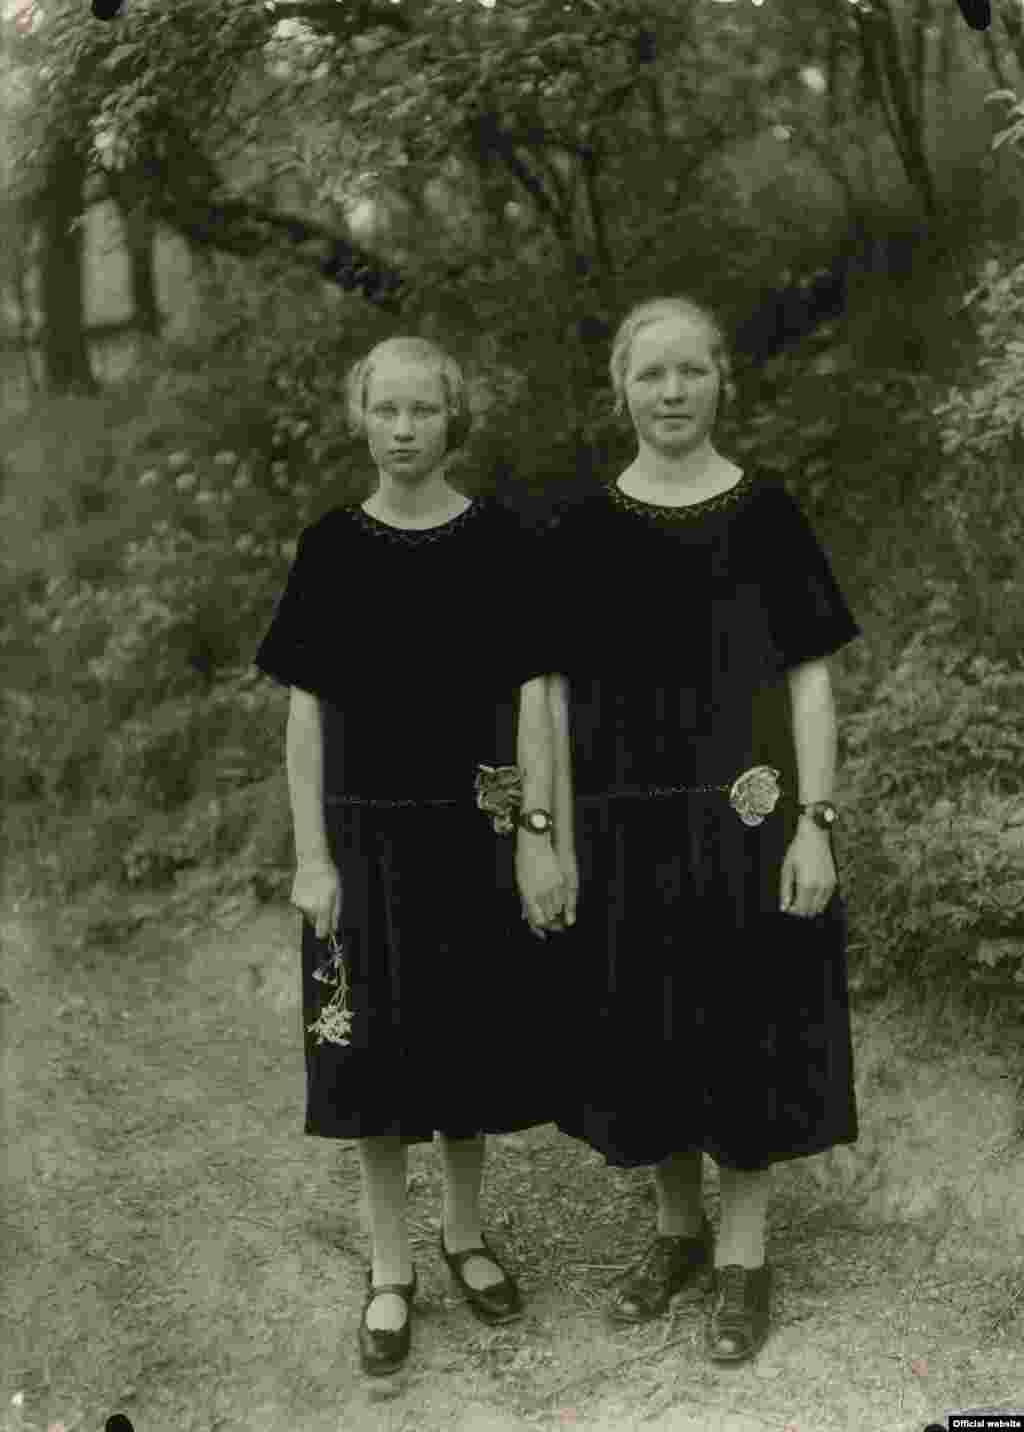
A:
{"x": 316, "y": 889}
{"x": 536, "y": 868}
{"x": 562, "y": 801}
{"x": 534, "y": 754}
{"x": 305, "y": 761}
{"x": 808, "y": 872}
{"x": 563, "y": 805}
{"x": 814, "y": 731}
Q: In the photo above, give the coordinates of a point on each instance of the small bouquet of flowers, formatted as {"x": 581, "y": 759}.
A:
{"x": 755, "y": 794}
{"x": 499, "y": 794}
{"x": 333, "y": 1025}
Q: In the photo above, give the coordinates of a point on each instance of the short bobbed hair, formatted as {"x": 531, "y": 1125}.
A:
{"x": 413, "y": 350}
{"x": 655, "y": 311}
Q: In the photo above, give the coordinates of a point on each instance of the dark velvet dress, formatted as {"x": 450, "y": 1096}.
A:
{"x": 416, "y": 643}
{"x": 705, "y": 1018}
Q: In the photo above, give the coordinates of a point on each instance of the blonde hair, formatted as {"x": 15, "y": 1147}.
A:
{"x": 654, "y": 311}
{"x": 418, "y": 350}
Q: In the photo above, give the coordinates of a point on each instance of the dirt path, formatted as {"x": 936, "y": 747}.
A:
{"x": 176, "y": 1249}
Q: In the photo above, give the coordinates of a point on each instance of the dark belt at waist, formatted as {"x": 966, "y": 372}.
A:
{"x": 613, "y": 793}
{"x": 648, "y": 792}
{"x": 389, "y": 803}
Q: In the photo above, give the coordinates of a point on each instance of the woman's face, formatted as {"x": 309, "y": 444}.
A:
{"x": 406, "y": 419}
{"x": 672, "y": 385}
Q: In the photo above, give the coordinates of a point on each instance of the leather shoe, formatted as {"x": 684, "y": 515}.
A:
{"x": 740, "y": 1306}
{"x": 381, "y": 1350}
{"x": 499, "y": 1303}
{"x": 668, "y": 1265}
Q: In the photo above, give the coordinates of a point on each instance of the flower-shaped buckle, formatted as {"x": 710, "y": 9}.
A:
{"x": 755, "y": 794}
{"x": 499, "y": 794}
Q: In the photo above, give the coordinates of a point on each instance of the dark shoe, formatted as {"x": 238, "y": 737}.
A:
{"x": 382, "y": 1351}
{"x": 738, "y": 1320}
{"x": 668, "y": 1265}
{"x": 499, "y": 1303}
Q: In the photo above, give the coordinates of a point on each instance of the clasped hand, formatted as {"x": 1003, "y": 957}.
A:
{"x": 548, "y": 885}
{"x": 808, "y": 874}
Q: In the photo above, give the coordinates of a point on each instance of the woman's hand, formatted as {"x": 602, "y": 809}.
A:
{"x": 539, "y": 878}
{"x": 316, "y": 891}
{"x": 808, "y": 873}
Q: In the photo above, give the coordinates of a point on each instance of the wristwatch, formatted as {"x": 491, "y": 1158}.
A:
{"x": 823, "y": 813}
{"x": 538, "y": 822}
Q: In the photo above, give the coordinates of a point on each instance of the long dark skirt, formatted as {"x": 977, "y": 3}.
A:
{"x": 707, "y": 1019}
{"x": 439, "y": 963}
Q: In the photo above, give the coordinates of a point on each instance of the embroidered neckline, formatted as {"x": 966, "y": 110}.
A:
{"x": 414, "y": 536}
{"x": 667, "y": 514}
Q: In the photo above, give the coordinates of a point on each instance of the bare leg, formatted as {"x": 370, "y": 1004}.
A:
{"x": 463, "y": 1161}
{"x": 677, "y": 1183}
{"x": 744, "y": 1214}
{"x": 383, "y": 1162}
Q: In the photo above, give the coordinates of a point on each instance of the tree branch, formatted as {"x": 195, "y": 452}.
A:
{"x": 995, "y": 64}
{"x": 589, "y": 171}
{"x": 246, "y": 230}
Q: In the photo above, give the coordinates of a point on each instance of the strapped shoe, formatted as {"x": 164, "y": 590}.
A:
{"x": 669, "y": 1264}
{"x": 499, "y": 1303}
{"x": 381, "y": 1350}
{"x": 738, "y": 1318}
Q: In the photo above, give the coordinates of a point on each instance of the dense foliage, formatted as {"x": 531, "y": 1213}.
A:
{"x": 135, "y": 603}
{"x": 541, "y": 167}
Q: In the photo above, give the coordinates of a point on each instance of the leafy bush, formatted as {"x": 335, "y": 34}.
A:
{"x": 983, "y": 417}
{"x": 936, "y": 829}
{"x": 131, "y": 617}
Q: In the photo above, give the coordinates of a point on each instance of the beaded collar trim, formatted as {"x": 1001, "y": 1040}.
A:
{"x": 414, "y": 536}
{"x": 666, "y": 515}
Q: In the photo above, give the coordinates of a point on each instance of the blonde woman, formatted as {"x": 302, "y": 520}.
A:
{"x": 709, "y": 950}
{"x": 409, "y": 633}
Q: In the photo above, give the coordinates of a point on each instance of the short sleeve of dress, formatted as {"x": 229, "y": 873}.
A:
{"x": 288, "y": 652}
{"x": 807, "y": 613}
{"x": 531, "y": 648}
{"x": 573, "y": 556}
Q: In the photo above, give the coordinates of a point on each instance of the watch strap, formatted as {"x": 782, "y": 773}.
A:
{"x": 823, "y": 813}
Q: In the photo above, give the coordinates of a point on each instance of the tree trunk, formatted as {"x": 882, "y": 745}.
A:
{"x": 21, "y": 265}
{"x": 139, "y": 236}
{"x": 58, "y": 209}
{"x": 920, "y": 22}
{"x": 879, "y": 28}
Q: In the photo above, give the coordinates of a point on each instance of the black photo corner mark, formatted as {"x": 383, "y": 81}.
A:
{"x": 118, "y": 1423}
{"x": 107, "y": 10}
{"x": 977, "y": 13}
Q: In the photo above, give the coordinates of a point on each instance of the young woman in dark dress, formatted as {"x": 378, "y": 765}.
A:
{"x": 709, "y": 948}
{"x": 405, "y": 637}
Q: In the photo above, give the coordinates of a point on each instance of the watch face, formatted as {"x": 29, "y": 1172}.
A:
{"x": 538, "y": 820}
